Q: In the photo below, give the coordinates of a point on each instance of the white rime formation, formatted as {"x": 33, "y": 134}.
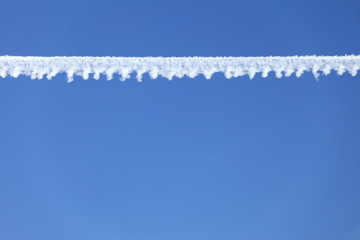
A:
{"x": 169, "y": 67}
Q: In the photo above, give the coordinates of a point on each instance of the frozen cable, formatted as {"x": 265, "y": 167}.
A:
{"x": 170, "y": 67}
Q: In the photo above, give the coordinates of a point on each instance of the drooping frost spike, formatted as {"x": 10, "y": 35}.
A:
{"x": 169, "y": 67}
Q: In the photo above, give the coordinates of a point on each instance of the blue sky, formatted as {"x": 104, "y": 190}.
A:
{"x": 188, "y": 158}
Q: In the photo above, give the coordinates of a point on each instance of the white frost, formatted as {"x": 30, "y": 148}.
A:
{"x": 169, "y": 67}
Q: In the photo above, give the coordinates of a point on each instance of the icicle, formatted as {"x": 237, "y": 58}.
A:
{"x": 265, "y": 72}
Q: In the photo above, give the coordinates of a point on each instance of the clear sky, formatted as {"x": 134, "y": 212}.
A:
{"x": 187, "y": 159}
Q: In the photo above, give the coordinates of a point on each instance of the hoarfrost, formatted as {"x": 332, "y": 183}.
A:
{"x": 169, "y": 67}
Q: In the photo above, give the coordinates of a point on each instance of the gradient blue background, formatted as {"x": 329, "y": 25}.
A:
{"x": 187, "y": 159}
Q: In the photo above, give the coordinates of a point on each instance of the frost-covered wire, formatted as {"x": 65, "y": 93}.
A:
{"x": 169, "y": 67}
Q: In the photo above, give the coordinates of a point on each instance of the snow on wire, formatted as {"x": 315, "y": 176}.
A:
{"x": 169, "y": 67}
